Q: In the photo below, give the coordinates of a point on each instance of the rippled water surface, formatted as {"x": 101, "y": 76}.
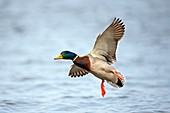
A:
{"x": 33, "y": 32}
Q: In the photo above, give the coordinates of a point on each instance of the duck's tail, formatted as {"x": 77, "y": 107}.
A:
{"x": 119, "y": 82}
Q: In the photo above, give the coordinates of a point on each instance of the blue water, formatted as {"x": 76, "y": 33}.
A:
{"x": 33, "y": 32}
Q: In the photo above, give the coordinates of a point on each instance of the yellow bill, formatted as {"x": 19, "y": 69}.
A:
{"x": 58, "y": 57}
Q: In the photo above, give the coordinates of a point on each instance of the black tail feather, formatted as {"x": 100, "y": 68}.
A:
{"x": 119, "y": 83}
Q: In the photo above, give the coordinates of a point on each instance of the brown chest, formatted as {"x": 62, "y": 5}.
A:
{"x": 83, "y": 62}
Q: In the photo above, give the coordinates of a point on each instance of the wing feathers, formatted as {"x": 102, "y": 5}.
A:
{"x": 76, "y": 71}
{"x": 106, "y": 43}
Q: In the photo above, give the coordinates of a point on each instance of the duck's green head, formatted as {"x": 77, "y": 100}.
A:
{"x": 66, "y": 55}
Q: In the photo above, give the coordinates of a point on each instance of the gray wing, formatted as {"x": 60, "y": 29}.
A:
{"x": 106, "y": 43}
{"x": 76, "y": 71}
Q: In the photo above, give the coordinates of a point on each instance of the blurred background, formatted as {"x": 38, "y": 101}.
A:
{"x": 33, "y": 32}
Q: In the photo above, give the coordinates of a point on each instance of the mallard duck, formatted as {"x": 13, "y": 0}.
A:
{"x": 99, "y": 60}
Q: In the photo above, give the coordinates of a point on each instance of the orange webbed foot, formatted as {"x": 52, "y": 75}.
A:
{"x": 119, "y": 77}
{"x": 102, "y": 88}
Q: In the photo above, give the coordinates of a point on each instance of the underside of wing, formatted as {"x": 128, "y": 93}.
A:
{"x": 76, "y": 71}
{"x": 106, "y": 43}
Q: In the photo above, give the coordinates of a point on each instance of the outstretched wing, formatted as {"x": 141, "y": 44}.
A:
{"x": 76, "y": 71}
{"x": 106, "y": 43}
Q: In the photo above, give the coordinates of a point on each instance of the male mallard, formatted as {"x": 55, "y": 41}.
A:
{"x": 99, "y": 60}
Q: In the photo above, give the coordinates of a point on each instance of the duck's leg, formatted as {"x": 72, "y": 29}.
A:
{"x": 119, "y": 77}
{"x": 102, "y": 88}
